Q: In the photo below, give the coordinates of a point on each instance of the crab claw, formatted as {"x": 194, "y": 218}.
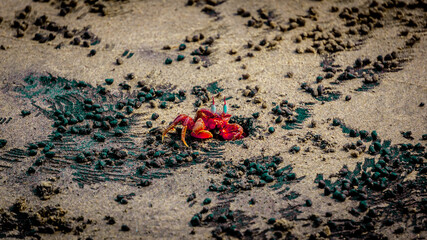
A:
{"x": 199, "y": 130}
{"x": 186, "y": 121}
{"x": 232, "y": 132}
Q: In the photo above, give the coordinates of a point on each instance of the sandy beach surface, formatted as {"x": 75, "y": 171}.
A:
{"x": 330, "y": 96}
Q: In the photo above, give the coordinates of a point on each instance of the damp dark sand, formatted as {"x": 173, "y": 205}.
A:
{"x": 346, "y": 158}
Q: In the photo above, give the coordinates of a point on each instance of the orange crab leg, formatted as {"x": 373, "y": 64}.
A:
{"x": 199, "y": 130}
{"x": 183, "y": 119}
{"x": 183, "y": 135}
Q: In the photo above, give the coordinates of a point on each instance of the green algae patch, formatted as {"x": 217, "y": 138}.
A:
{"x": 292, "y": 195}
{"x": 237, "y": 142}
{"x": 213, "y": 88}
{"x": 49, "y": 86}
{"x": 367, "y": 86}
{"x": 302, "y": 115}
{"x": 329, "y": 97}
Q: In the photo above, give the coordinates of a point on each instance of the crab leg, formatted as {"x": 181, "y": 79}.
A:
{"x": 184, "y": 130}
{"x": 183, "y": 119}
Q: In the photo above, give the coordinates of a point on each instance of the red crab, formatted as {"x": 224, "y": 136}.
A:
{"x": 205, "y": 122}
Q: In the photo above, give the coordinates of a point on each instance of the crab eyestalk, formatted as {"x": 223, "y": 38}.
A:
{"x": 213, "y": 107}
{"x": 225, "y": 109}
